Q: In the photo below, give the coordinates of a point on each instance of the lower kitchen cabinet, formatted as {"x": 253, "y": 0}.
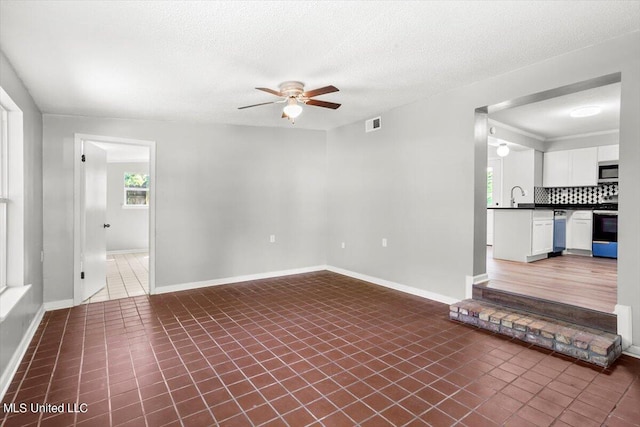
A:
{"x": 542, "y": 236}
{"x": 580, "y": 230}
{"x": 523, "y": 235}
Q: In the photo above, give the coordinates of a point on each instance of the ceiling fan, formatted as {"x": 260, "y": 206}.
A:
{"x": 293, "y": 94}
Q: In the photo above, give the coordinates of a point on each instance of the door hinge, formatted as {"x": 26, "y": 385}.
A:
{"x": 82, "y": 274}
{"x": 83, "y": 158}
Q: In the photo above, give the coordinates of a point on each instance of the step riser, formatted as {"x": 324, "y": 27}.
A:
{"x": 582, "y": 316}
{"x": 599, "y": 348}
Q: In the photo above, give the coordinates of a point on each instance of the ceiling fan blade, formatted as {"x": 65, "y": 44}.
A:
{"x": 320, "y": 91}
{"x": 271, "y": 91}
{"x": 256, "y": 105}
{"x": 324, "y": 104}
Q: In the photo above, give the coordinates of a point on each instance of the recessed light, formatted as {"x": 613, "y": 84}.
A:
{"x": 586, "y": 111}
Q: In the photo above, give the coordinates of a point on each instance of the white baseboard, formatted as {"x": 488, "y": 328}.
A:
{"x": 625, "y": 324}
{"x": 57, "y": 305}
{"x": 473, "y": 280}
{"x": 397, "y": 286}
{"x": 18, "y": 354}
{"x": 633, "y": 351}
{"x": 127, "y": 251}
{"x": 235, "y": 279}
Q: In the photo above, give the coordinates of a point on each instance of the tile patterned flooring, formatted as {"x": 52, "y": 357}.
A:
{"x": 311, "y": 349}
{"x": 127, "y": 276}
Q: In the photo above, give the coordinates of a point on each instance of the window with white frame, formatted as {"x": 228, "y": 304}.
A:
{"x": 3, "y": 199}
{"x": 12, "y": 272}
{"x": 136, "y": 190}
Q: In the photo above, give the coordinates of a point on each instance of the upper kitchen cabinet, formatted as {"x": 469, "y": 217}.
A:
{"x": 609, "y": 153}
{"x": 571, "y": 168}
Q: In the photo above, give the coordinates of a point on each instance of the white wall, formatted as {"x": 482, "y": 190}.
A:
{"x": 129, "y": 226}
{"x": 15, "y": 326}
{"x": 510, "y": 135}
{"x": 420, "y": 181}
{"x": 221, "y": 190}
{"x": 518, "y": 168}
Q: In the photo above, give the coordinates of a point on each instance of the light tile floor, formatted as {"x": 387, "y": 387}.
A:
{"x": 127, "y": 276}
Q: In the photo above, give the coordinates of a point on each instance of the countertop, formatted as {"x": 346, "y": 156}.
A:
{"x": 586, "y": 207}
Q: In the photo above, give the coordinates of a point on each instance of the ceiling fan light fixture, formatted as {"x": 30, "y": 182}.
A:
{"x": 502, "y": 150}
{"x": 292, "y": 109}
{"x": 588, "y": 111}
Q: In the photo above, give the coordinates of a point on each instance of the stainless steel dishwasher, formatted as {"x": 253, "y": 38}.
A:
{"x": 559, "y": 232}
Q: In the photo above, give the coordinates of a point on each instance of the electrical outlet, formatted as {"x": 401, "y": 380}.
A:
{"x": 384, "y": 242}
{"x": 272, "y": 238}
{"x": 343, "y": 245}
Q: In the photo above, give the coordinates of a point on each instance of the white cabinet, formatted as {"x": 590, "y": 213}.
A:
{"x": 571, "y": 168}
{"x": 555, "y": 169}
{"x": 580, "y": 230}
{"x": 584, "y": 167}
{"x": 490, "y": 227}
{"x": 608, "y": 153}
{"x": 542, "y": 237}
{"x": 523, "y": 235}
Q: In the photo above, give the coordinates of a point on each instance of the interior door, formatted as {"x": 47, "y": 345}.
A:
{"x": 94, "y": 254}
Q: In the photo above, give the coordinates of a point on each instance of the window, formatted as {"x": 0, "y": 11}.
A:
{"x": 489, "y": 186}
{"x": 12, "y": 271}
{"x": 3, "y": 199}
{"x": 136, "y": 190}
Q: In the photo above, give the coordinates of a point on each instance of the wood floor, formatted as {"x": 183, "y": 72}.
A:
{"x": 571, "y": 279}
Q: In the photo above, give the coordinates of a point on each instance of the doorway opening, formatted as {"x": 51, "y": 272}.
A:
{"x": 114, "y": 221}
{"x": 531, "y": 127}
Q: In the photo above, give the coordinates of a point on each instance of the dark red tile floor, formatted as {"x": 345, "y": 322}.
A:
{"x": 311, "y": 349}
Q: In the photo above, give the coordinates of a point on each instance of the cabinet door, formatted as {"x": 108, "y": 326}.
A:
{"x": 542, "y": 237}
{"x": 581, "y": 233}
{"x": 584, "y": 167}
{"x": 555, "y": 169}
{"x": 608, "y": 153}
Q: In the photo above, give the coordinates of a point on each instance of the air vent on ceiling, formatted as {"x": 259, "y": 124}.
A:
{"x": 372, "y": 124}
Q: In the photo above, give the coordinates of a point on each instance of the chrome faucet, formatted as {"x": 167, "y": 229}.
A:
{"x": 513, "y": 199}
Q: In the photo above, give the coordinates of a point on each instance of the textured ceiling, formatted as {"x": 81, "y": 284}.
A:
{"x": 199, "y": 61}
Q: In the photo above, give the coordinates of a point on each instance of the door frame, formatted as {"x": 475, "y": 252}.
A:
{"x": 78, "y": 181}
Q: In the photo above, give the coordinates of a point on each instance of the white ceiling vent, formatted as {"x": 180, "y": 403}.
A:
{"x": 372, "y": 124}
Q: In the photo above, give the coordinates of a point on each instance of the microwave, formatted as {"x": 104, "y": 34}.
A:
{"x": 608, "y": 171}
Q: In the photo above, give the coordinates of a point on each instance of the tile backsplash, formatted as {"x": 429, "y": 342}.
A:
{"x": 574, "y": 195}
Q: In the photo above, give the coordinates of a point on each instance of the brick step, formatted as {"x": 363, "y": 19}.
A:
{"x": 591, "y": 345}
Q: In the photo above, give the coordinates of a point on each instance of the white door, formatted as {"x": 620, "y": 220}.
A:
{"x": 495, "y": 165}
{"x": 94, "y": 253}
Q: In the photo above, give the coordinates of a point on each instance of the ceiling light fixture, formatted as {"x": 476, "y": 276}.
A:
{"x": 292, "y": 109}
{"x": 589, "y": 111}
{"x": 502, "y": 150}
